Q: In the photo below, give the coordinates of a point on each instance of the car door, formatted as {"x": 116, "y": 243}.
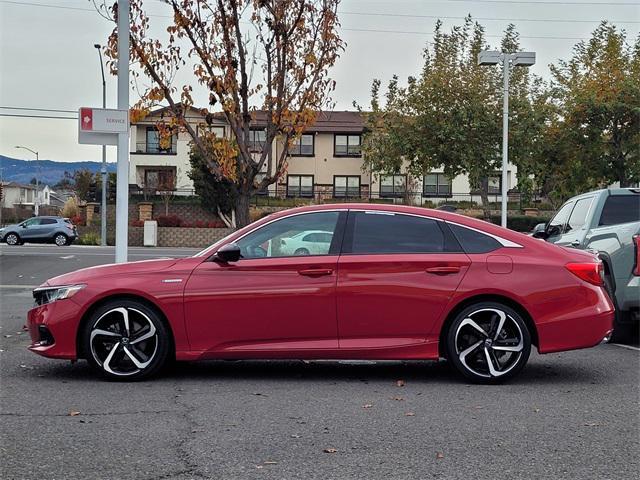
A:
{"x": 396, "y": 274}
{"x": 269, "y": 302}
{"x": 48, "y": 227}
{"x": 30, "y": 229}
{"x": 577, "y": 225}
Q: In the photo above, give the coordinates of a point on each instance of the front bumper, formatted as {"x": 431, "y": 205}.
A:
{"x": 60, "y": 319}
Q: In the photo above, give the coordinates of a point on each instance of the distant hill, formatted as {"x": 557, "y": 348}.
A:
{"x": 49, "y": 171}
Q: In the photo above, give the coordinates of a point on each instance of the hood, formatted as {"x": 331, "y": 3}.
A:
{"x": 130, "y": 268}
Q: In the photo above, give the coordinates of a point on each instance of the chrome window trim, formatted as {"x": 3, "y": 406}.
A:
{"x": 502, "y": 241}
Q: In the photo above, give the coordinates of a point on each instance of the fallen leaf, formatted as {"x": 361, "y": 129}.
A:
{"x": 367, "y": 405}
{"x": 74, "y": 413}
{"x": 7, "y": 336}
{"x": 536, "y": 410}
{"x": 410, "y": 414}
{"x": 330, "y": 450}
{"x": 258, "y": 394}
{"x": 478, "y": 407}
{"x": 259, "y": 467}
{"x": 439, "y": 455}
{"x": 592, "y": 424}
{"x": 400, "y": 383}
{"x": 398, "y": 399}
{"x": 295, "y": 436}
{"x": 270, "y": 462}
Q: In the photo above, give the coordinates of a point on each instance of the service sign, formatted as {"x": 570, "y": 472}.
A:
{"x": 101, "y": 126}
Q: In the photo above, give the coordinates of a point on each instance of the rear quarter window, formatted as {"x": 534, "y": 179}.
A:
{"x": 620, "y": 209}
{"x": 473, "y": 241}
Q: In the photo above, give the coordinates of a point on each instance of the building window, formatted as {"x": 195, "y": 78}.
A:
{"x": 346, "y": 186}
{"x": 494, "y": 184}
{"x": 393, "y": 185}
{"x": 153, "y": 144}
{"x": 436, "y": 185}
{"x": 163, "y": 179}
{"x": 347, "y": 146}
{"x": 217, "y": 130}
{"x": 299, "y": 185}
{"x": 257, "y": 139}
{"x": 303, "y": 146}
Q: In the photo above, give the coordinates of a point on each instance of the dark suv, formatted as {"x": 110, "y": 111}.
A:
{"x": 56, "y": 230}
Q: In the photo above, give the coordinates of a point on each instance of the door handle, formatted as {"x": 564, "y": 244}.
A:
{"x": 443, "y": 270}
{"x": 315, "y": 272}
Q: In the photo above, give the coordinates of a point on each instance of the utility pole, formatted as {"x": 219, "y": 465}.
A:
{"x": 518, "y": 59}
{"x": 103, "y": 170}
{"x": 36, "y": 206}
{"x": 122, "y": 185}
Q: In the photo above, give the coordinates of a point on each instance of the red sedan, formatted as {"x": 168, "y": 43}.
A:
{"x": 383, "y": 282}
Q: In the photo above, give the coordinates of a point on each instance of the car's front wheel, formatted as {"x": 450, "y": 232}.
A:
{"x": 488, "y": 342}
{"x": 60, "y": 239}
{"x": 12, "y": 239}
{"x": 126, "y": 340}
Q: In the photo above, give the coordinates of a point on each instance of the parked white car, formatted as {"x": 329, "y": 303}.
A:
{"x": 310, "y": 242}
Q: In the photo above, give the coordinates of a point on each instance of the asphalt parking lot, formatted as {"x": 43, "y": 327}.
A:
{"x": 568, "y": 415}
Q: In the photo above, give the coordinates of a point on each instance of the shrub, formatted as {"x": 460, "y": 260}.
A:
{"x": 89, "y": 238}
{"x": 520, "y": 223}
{"x": 70, "y": 208}
{"x": 77, "y": 220}
{"x": 199, "y": 224}
{"x": 137, "y": 223}
{"x": 169, "y": 221}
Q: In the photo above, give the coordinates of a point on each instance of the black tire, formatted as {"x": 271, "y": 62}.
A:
{"x": 622, "y": 331}
{"x": 492, "y": 356}
{"x": 118, "y": 355}
{"x": 12, "y": 239}
{"x": 60, "y": 239}
{"x": 301, "y": 252}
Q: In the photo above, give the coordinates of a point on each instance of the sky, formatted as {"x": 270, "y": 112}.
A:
{"x": 47, "y": 58}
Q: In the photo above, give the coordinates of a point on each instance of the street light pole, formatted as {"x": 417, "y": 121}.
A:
{"x": 506, "y": 71}
{"x": 36, "y": 206}
{"x": 103, "y": 170}
{"x": 518, "y": 59}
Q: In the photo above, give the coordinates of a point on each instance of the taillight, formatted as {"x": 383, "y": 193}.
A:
{"x": 636, "y": 242}
{"x": 589, "y": 272}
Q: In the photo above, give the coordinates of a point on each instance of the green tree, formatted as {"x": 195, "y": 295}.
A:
{"x": 597, "y": 133}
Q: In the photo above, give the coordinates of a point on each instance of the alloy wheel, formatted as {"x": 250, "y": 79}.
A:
{"x": 12, "y": 239}
{"x": 123, "y": 341}
{"x": 60, "y": 240}
{"x": 489, "y": 342}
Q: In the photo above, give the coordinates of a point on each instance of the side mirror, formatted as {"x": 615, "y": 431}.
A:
{"x": 228, "y": 253}
{"x": 553, "y": 231}
{"x": 24, "y": 225}
{"x": 539, "y": 231}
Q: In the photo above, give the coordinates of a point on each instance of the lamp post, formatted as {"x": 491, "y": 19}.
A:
{"x": 518, "y": 59}
{"x": 103, "y": 170}
{"x": 36, "y": 206}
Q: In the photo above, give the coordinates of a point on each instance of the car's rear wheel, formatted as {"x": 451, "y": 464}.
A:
{"x": 12, "y": 239}
{"x": 301, "y": 252}
{"x": 488, "y": 342}
{"x": 60, "y": 239}
{"x": 126, "y": 340}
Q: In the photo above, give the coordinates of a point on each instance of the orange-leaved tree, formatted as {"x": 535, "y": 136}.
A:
{"x": 252, "y": 57}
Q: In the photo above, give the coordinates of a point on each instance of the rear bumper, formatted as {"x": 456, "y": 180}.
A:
{"x": 60, "y": 319}
{"x": 586, "y": 328}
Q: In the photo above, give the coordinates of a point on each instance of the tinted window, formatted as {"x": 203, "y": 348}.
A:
{"x": 472, "y": 241}
{"x": 561, "y": 217}
{"x": 48, "y": 221}
{"x": 277, "y": 238}
{"x": 579, "y": 214}
{"x": 394, "y": 233}
{"x": 621, "y": 209}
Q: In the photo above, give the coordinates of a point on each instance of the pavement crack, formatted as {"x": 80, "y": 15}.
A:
{"x": 96, "y": 414}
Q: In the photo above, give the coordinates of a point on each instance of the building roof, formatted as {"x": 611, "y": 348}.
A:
{"x": 18, "y": 185}
{"x": 328, "y": 121}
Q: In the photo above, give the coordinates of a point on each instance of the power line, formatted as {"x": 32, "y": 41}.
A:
{"x": 38, "y": 109}
{"x": 429, "y": 33}
{"x": 36, "y": 116}
{"x": 546, "y": 2}
{"x": 442, "y": 17}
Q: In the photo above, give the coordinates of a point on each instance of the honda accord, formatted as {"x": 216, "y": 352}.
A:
{"x": 393, "y": 282}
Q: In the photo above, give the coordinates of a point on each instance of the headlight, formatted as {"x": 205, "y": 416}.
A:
{"x": 44, "y": 295}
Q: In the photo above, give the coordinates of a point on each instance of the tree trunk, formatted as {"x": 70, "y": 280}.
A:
{"x": 484, "y": 197}
{"x": 621, "y": 173}
{"x": 242, "y": 209}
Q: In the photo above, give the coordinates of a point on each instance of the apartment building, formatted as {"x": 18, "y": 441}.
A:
{"x": 325, "y": 162}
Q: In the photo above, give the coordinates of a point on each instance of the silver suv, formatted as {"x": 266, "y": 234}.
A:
{"x": 56, "y": 230}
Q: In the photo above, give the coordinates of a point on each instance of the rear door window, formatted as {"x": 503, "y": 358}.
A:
{"x": 48, "y": 221}
{"x": 620, "y": 209}
{"x": 386, "y": 232}
{"x": 579, "y": 214}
